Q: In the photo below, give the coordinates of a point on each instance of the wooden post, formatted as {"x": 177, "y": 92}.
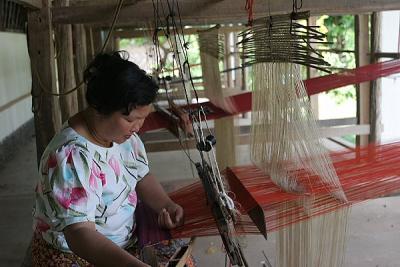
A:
{"x": 65, "y": 67}
{"x": 375, "y": 86}
{"x": 362, "y": 58}
{"x": 237, "y": 63}
{"x": 41, "y": 50}
{"x": 79, "y": 41}
{"x": 311, "y": 73}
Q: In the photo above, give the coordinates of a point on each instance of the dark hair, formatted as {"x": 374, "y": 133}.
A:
{"x": 116, "y": 84}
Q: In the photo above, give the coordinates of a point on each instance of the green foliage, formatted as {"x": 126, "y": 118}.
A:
{"x": 126, "y": 43}
{"x": 340, "y": 33}
{"x": 350, "y": 138}
{"x": 343, "y": 94}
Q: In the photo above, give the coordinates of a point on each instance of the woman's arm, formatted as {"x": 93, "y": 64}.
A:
{"x": 150, "y": 191}
{"x": 87, "y": 243}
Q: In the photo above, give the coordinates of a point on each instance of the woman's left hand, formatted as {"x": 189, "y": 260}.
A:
{"x": 171, "y": 216}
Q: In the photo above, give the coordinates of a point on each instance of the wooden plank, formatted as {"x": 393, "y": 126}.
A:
{"x": 205, "y": 12}
{"x": 31, "y": 4}
{"x": 41, "y": 51}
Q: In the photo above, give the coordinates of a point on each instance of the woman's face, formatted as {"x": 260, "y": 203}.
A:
{"x": 120, "y": 127}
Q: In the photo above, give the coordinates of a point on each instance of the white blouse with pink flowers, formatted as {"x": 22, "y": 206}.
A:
{"x": 80, "y": 181}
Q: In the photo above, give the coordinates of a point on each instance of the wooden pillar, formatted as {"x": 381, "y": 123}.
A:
{"x": 89, "y": 43}
{"x": 65, "y": 67}
{"x": 375, "y": 86}
{"x": 41, "y": 50}
{"x": 80, "y": 49}
{"x": 362, "y": 58}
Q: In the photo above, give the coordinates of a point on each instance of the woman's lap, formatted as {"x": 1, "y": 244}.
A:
{"x": 44, "y": 254}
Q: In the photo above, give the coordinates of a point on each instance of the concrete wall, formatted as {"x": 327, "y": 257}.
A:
{"x": 390, "y": 30}
{"x": 15, "y": 87}
{"x": 15, "y": 83}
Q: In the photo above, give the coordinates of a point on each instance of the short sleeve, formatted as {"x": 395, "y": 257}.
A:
{"x": 74, "y": 189}
{"x": 139, "y": 151}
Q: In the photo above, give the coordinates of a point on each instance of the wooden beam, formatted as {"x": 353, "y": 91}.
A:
{"x": 91, "y": 3}
{"x": 205, "y": 12}
{"x": 129, "y": 32}
{"x": 244, "y": 138}
{"x": 30, "y": 4}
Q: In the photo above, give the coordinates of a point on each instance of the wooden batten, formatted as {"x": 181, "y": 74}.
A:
{"x": 65, "y": 67}
{"x": 41, "y": 49}
{"x": 80, "y": 51}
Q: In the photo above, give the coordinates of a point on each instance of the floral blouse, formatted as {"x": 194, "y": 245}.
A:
{"x": 80, "y": 181}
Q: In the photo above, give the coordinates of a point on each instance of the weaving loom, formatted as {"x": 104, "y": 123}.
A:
{"x": 295, "y": 179}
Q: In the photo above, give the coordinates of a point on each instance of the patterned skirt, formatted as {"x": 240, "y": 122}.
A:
{"x": 44, "y": 254}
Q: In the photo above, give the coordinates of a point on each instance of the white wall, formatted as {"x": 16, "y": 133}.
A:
{"x": 15, "y": 82}
{"x": 390, "y": 30}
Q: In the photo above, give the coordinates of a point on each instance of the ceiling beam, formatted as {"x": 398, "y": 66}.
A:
{"x": 129, "y": 32}
{"x": 205, "y": 12}
{"x": 93, "y": 3}
{"x": 31, "y": 4}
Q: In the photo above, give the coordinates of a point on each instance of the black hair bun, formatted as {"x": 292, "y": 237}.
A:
{"x": 115, "y": 83}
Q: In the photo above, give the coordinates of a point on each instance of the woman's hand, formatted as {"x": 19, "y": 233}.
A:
{"x": 171, "y": 216}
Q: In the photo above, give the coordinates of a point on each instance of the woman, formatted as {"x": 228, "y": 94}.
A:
{"x": 94, "y": 170}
